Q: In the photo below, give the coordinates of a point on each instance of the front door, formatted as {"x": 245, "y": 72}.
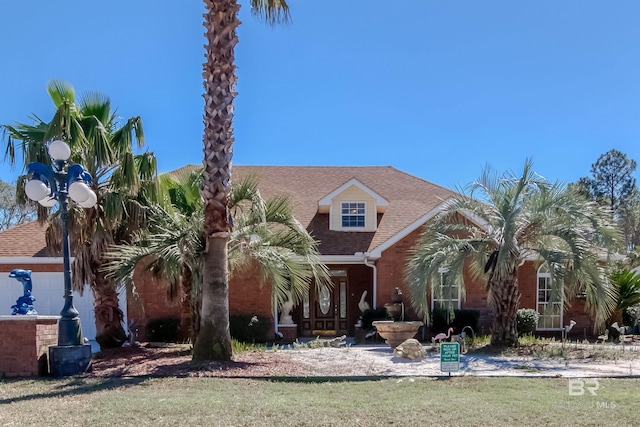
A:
{"x": 328, "y": 308}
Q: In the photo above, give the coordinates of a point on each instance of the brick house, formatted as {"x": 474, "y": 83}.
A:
{"x": 366, "y": 220}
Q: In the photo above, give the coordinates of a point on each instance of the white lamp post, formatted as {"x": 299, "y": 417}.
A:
{"x": 48, "y": 185}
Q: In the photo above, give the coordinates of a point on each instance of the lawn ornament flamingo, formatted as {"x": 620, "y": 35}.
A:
{"x": 442, "y": 336}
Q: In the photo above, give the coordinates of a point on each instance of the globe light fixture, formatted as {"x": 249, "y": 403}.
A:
{"x": 79, "y": 191}
{"x": 90, "y": 202}
{"x": 49, "y": 185}
{"x": 59, "y": 150}
{"x": 36, "y": 190}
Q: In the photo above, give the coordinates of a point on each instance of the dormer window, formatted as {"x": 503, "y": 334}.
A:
{"x": 353, "y": 214}
{"x": 353, "y": 207}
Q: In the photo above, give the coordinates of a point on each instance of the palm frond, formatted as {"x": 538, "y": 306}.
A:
{"x": 272, "y": 11}
{"x": 61, "y": 92}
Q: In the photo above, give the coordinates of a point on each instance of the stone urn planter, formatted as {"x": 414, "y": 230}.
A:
{"x": 395, "y": 333}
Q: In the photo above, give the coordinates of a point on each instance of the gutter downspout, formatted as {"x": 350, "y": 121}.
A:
{"x": 368, "y": 263}
{"x": 275, "y": 317}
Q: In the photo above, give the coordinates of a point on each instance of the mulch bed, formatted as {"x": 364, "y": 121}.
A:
{"x": 175, "y": 361}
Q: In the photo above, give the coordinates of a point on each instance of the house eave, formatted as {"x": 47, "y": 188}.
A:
{"x": 31, "y": 260}
{"x": 377, "y": 251}
{"x": 357, "y": 258}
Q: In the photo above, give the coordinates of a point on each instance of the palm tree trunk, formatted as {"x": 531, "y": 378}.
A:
{"x": 214, "y": 340}
{"x": 109, "y": 330}
{"x": 186, "y": 306}
{"x": 504, "y": 298}
{"x": 196, "y": 306}
{"x": 221, "y": 20}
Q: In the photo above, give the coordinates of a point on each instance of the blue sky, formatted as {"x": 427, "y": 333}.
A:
{"x": 432, "y": 87}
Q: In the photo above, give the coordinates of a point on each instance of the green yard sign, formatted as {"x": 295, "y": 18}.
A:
{"x": 449, "y": 356}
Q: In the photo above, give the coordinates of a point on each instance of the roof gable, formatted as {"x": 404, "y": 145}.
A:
{"x": 324, "y": 204}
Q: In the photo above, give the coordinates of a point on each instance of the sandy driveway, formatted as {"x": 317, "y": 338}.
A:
{"x": 378, "y": 360}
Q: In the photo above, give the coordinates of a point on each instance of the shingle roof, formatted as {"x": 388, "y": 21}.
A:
{"x": 409, "y": 199}
{"x": 24, "y": 240}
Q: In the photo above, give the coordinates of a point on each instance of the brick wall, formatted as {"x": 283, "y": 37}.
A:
{"x": 248, "y": 297}
{"x": 391, "y": 272}
{"x": 24, "y": 344}
{"x": 149, "y": 301}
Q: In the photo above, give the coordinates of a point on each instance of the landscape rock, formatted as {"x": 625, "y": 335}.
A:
{"x": 410, "y": 349}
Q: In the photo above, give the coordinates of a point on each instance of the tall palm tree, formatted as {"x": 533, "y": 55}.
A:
{"x": 123, "y": 182}
{"x": 265, "y": 235}
{"x": 219, "y": 73}
{"x": 515, "y": 219}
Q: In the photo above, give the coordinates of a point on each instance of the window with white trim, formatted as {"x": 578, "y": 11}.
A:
{"x": 549, "y": 308}
{"x": 449, "y": 295}
{"x": 353, "y": 214}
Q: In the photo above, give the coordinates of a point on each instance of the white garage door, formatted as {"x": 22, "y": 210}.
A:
{"x": 48, "y": 290}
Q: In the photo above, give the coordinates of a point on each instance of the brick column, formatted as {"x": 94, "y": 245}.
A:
{"x": 24, "y": 344}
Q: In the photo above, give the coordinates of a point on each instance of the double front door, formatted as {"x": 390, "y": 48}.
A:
{"x": 325, "y": 312}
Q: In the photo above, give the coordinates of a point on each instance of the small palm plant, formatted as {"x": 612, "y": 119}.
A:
{"x": 265, "y": 234}
{"x": 497, "y": 225}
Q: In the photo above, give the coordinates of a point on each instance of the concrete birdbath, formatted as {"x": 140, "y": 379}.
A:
{"x": 395, "y": 333}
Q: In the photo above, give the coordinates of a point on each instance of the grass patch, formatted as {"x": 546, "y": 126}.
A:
{"x": 239, "y": 346}
{"x": 210, "y": 401}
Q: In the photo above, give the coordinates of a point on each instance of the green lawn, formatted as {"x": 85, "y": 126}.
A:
{"x": 457, "y": 401}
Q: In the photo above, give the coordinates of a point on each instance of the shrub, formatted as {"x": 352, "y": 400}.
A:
{"x": 631, "y": 318}
{"x": 249, "y": 329}
{"x": 461, "y": 318}
{"x": 526, "y": 321}
{"x": 164, "y": 329}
